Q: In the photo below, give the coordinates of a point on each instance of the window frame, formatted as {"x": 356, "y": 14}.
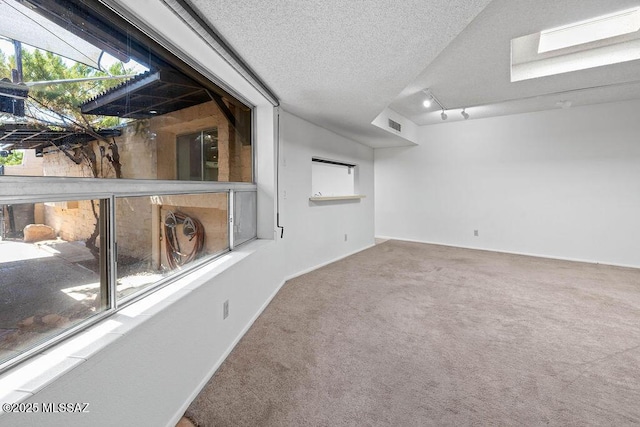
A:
{"x": 202, "y": 154}
{"x": 108, "y": 224}
{"x": 38, "y": 189}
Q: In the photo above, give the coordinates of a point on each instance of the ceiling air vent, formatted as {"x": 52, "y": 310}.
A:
{"x": 395, "y": 125}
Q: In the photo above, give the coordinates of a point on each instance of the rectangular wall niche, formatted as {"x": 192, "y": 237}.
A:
{"x": 332, "y": 179}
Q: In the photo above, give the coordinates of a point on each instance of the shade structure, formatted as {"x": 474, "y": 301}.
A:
{"x": 23, "y": 136}
{"x": 23, "y": 24}
{"x": 150, "y": 94}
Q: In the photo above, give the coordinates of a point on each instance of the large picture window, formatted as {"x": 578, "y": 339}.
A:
{"x": 132, "y": 168}
{"x": 94, "y": 99}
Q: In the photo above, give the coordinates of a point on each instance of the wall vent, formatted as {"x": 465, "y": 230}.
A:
{"x": 395, "y": 125}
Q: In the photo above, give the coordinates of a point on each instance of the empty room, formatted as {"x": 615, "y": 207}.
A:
{"x": 248, "y": 213}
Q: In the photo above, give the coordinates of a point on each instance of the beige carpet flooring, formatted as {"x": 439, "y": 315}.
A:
{"x": 408, "y": 334}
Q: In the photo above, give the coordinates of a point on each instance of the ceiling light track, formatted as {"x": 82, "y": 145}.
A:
{"x": 431, "y": 97}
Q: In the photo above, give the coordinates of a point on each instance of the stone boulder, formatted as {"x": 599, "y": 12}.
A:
{"x": 38, "y": 232}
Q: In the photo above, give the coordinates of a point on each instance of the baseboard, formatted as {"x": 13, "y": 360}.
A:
{"x": 222, "y": 358}
{"x": 535, "y": 255}
{"x": 230, "y": 348}
{"x": 309, "y": 270}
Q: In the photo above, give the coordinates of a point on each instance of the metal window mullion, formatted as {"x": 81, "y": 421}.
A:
{"x": 104, "y": 249}
{"x": 254, "y": 148}
{"x": 202, "y": 156}
{"x": 231, "y": 204}
{"x": 25, "y": 189}
{"x": 113, "y": 254}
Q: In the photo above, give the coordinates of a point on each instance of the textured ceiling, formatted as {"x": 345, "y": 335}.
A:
{"x": 474, "y": 70}
{"x": 339, "y": 64}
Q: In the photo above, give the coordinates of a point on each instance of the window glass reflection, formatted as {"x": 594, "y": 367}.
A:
{"x": 160, "y": 235}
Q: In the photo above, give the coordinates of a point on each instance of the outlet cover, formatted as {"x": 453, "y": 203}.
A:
{"x": 225, "y": 309}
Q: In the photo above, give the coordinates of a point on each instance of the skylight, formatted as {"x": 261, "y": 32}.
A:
{"x": 605, "y": 40}
{"x": 590, "y": 30}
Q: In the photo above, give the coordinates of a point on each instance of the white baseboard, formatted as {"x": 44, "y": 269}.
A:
{"x": 180, "y": 413}
{"x": 230, "y": 348}
{"x": 478, "y": 248}
{"x": 309, "y": 270}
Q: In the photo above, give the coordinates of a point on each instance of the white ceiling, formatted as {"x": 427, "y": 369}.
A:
{"x": 474, "y": 70}
{"x": 339, "y": 64}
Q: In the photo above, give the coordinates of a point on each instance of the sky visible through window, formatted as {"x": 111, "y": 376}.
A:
{"x": 600, "y": 41}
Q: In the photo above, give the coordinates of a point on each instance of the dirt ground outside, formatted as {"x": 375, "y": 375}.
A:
{"x": 44, "y": 289}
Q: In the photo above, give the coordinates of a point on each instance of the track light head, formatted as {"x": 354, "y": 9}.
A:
{"x": 464, "y": 114}
{"x": 443, "y": 115}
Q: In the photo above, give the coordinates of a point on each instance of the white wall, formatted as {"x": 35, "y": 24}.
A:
{"x": 318, "y": 228}
{"x": 561, "y": 183}
{"x": 149, "y": 375}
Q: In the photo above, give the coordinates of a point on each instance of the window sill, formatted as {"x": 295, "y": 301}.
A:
{"x": 333, "y": 198}
{"x": 31, "y": 376}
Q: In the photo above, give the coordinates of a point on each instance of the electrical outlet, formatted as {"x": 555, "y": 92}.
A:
{"x": 345, "y": 237}
{"x": 225, "y": 309}
{"x": 475, "y": 233}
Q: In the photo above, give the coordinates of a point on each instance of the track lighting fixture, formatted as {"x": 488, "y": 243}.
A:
{"x": 432, "y": 97}
{"x": 464, "y": 114}
{"x": 427, "y": 102}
